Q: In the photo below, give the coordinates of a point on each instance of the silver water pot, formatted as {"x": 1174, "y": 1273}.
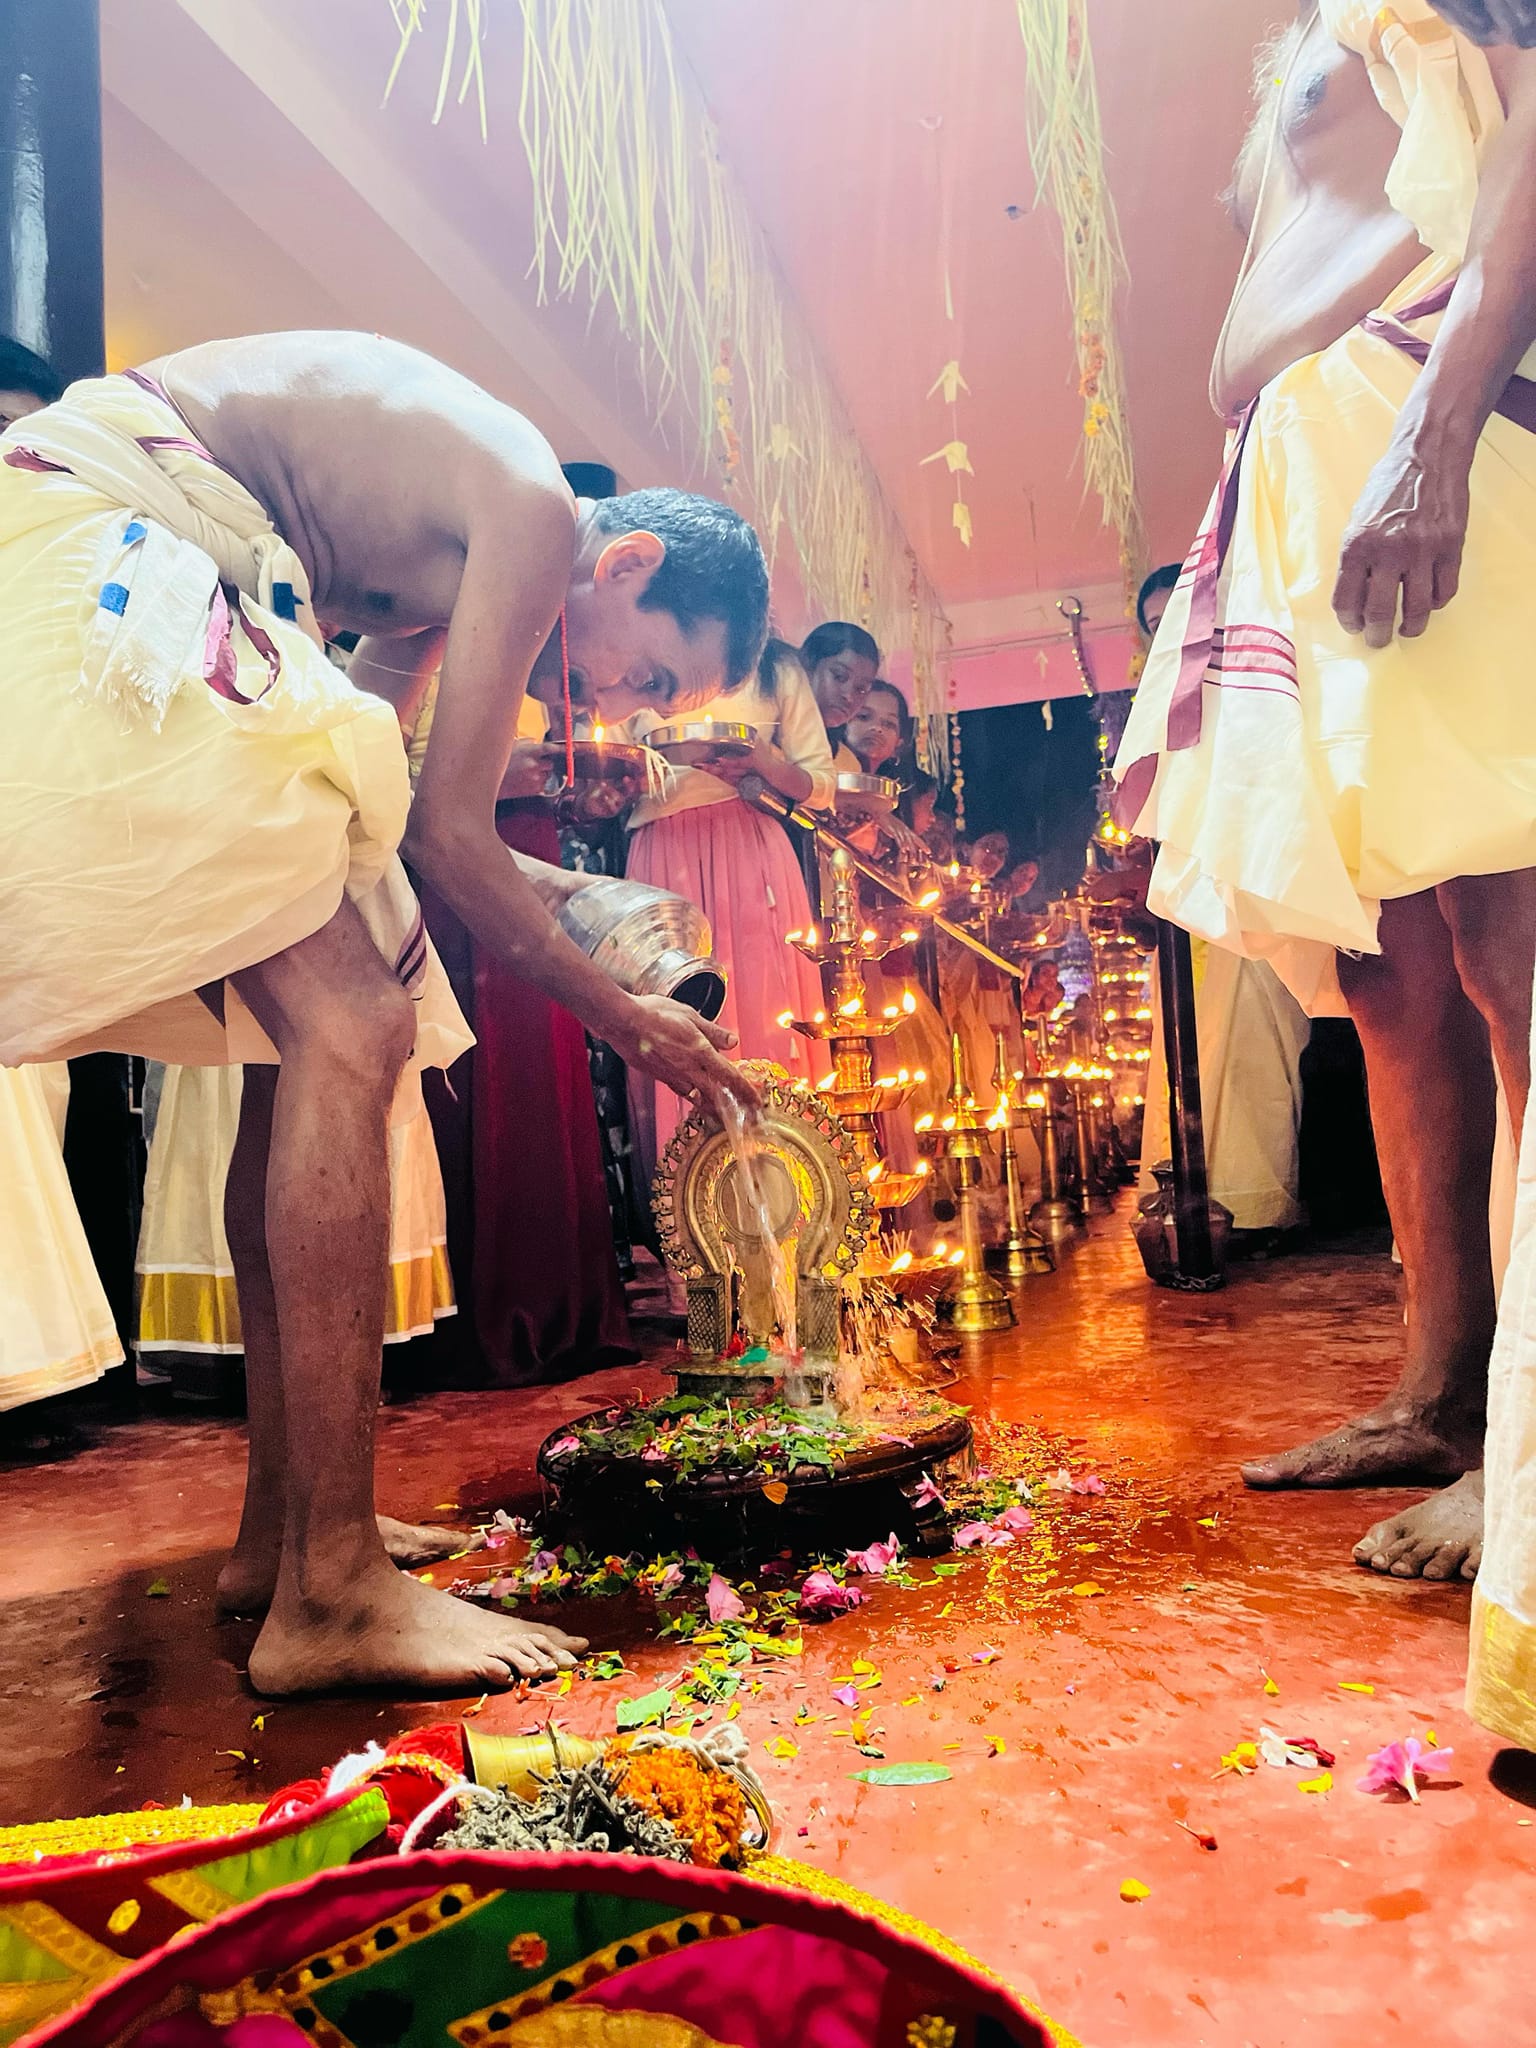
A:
{"x": 649, "y": 941}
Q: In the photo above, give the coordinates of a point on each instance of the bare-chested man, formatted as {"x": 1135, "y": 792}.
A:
{"x": 1344, "y": 748}
{"x": 202, "y": 822}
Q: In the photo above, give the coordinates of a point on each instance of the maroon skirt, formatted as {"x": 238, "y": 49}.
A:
{"x": 529, "y": 1234}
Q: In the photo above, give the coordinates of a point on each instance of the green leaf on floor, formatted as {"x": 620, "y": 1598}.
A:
{"x": 905, "y": 1774}
{"x": 641, "y": 1713}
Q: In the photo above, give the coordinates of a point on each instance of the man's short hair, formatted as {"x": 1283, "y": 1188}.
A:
{"x": 714, "y": 568}
{"x": 1160, "y": 579}
{"x": 20, "y": 370}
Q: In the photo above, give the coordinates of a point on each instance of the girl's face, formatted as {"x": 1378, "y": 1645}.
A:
{"x": 989, "y": 856}
{"x": 874, "y": 731}
{"x": 841, "y": 683}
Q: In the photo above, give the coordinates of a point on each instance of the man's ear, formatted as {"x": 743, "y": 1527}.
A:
{"x": 630, "y": 556}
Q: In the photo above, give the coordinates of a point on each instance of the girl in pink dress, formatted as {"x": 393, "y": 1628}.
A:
{"x": 737, "y": 864}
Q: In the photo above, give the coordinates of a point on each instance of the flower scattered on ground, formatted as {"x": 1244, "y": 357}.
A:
{"x": 1402, "y": 1765}
{"x": 821, "y": 1594}
{"x": 877, "y": 1559}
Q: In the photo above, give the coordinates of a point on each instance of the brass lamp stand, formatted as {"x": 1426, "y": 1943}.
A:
{"x": 1024, "y": 1251}
{"x": 973, "y": 1301}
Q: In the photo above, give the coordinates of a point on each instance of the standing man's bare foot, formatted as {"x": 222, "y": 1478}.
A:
{"x": 412, "y": 1544}
{"x": 1393, "y": 1445}
{"x": 1438, "y": 1538}
{"x": 385, "y": 1629}
{"x": 249, "y": 1578}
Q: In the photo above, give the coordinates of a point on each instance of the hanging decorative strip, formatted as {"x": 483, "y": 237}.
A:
{"x": 635, "y": 205}
{"x": 1066, "y": 147}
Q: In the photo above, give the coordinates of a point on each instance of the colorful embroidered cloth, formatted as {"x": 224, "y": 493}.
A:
{"x": 83, "y": 1901}
{"x": 466, "y": 1951}
{"x": 1294, "y": 777}
{"x": 189, "y": 785}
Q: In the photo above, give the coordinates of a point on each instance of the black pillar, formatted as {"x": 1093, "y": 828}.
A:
{"x": 50, "y": 182}
{"x": 1198, "y": 1264}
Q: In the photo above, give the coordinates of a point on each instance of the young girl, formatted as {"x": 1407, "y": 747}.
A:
{"x": 736, "y": 863}
{"x": 843, "y": 663}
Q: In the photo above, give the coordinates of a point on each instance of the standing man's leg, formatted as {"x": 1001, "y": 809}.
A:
{"x": 249, "y": 1579}
{"x": 1431, "y": 1079}
{"x": 1492, "y": 919}
{"x": 341, "y": 1613}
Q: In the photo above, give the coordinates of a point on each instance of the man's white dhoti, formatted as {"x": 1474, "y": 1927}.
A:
{"x": 56, "y": 1328}
{"x": 187, "y": 1298}
{"x": 1251, "y": 1034}
{"x": 189, "y": 785}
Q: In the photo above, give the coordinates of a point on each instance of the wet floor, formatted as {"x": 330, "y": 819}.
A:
{"x": 1136, "y": 1642}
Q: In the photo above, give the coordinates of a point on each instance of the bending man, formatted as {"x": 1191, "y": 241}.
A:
{"x": 203, "y": 821}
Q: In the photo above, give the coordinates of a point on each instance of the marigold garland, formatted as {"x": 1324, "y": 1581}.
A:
{"x": 705, "y": 1808}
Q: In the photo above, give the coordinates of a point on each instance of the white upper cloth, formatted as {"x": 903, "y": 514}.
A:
{"x": 790, "y": 718}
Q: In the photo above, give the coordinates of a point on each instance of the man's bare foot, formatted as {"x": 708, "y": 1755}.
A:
{"x": 249, "y": 1577}
{"x": 1438, "y": 1538}
{"x": 385, "y": 1629}
{"x": 412, "y": 1544}
{"x": 1393, "y": 1445}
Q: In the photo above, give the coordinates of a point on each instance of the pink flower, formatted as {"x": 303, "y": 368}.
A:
{"x": 669, "y": 1579}
{"x": 1019, "y": 1520}
{"x": 985, "y": 1656}
{"x": 877, "y": 1560}
{"x": 1062, "y": 1481}
{"x": 925, "y": 1493}
{"x": 722, "y": 1601}
{"x": 562, "y": 1445}
{"x": 539, "y": 1567}
{"x": 847, "y": 1695}
{"x": 821, "y": 1594}
{"x": 983, "y": 1536}
{"x": 1403, "y": 1763}
{"x": 653, "y": 1454}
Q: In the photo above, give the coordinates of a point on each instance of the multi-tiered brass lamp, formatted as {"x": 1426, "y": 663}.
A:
{"x": 972, "y": 1300}
{"x": 852, "y": 1032}
{"x": 1024, "y": 1251}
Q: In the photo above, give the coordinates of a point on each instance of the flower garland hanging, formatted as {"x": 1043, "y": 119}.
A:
{"x": 1066, "y": 148}
{"x": 635, "y": 205}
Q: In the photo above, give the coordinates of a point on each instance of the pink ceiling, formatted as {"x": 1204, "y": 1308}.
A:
{"x": 858, "y": 128}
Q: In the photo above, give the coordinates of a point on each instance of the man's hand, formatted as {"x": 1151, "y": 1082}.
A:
{"x": 528, "y": 771}
{"x": 677, "y": 1047}
{"x": 1403, "y": 544}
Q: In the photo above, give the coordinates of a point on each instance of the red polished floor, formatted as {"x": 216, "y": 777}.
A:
{"x": 1317, "y": 1919}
